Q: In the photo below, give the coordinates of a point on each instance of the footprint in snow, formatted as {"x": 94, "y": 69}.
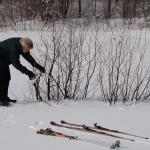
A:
{"x": 31, "y": 127}
{"x": 38, "y": 122}
{"x": 8, "y": 119}
{"x": 122, "y": 109}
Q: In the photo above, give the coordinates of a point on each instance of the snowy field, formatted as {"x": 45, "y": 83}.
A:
{"x": 19, "y": 123}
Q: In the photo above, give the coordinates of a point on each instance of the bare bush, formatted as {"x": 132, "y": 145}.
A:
{"x": 84, "y": 61}
{"x": 69, "y": 62}
{"x": 123, "y": 73}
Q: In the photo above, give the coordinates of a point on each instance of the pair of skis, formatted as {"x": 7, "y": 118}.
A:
{"x": 96, "y": 129}
{"x": 48, "y": 131}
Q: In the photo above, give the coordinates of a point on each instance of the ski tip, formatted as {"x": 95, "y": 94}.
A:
{"x": 52, "y": 123}
{"x": 63, "y": 122}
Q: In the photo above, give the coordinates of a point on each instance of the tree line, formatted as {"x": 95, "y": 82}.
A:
{"x": 49, "y": 10}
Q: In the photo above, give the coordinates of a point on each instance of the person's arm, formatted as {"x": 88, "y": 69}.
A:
{"x": 32, "y": 61}
{"x": 29, "y": 58}
{"x": 15, "y": 60}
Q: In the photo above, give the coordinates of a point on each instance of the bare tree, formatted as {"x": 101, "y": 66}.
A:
{"x": 79, "y": 9}
{"x": 109, "y": 9}
{"x": 126, "y": 10}
{"x": 63, "y": 7}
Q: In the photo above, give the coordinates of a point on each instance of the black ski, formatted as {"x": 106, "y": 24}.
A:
{"x": 48, "y": 131}
{"x": 87, "y": 129}
{"x": 103, "y": 129}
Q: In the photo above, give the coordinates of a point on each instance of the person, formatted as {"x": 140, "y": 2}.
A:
{"x": 10, "y": 51}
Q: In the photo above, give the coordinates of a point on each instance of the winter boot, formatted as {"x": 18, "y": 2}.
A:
{"x": 4, "y": 103}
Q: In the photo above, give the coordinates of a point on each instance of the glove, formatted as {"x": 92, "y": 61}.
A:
{"x": 31, "y": 75}
{"x": 42, "y": 69}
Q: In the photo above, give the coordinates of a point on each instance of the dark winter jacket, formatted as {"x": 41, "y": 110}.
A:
{"x": 10, "y": 51}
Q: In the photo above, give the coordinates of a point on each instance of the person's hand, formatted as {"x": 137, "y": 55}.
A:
{"x": 42, "y": 69}
{"x": 31, "y": 75}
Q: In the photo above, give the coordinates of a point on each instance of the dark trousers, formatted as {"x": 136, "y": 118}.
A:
{"x": 4, "y": 81}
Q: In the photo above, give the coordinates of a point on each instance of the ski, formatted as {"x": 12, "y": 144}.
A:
{"x": 48, "y": 131}
{"x": 86, "y": 129}
{"x": 103, "y": 129}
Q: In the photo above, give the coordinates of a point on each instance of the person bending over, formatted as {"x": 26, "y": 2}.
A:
{"x": 10, "y": 51}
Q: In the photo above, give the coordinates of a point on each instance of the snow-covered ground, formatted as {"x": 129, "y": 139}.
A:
{"x": 19, "y": 123}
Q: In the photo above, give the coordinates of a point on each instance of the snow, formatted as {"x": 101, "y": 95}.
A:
{"x": 19, "y": 123}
